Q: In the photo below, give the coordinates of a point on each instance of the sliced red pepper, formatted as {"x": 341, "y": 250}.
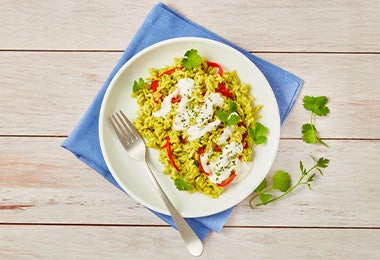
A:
{"x": 224, "y": 91}
{"x": 200, "y": 152}
{"x": 243, "y": 141}
{"x": 222, "y": 87}
{"x": 168, "y": 72}
{"x": 217, "y": 148}
{"x": 228, "y": 180}
{"x": 216, "y": 65}
{"x": 154, "y": 83}
{"x": 176, "y": 99}
{"x": 183, "y": 139}
{"x": 169, "y": 152}
{"x": 154, "y": 86}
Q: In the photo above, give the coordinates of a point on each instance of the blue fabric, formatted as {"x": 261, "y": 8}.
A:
{"x": 163, "y": 23}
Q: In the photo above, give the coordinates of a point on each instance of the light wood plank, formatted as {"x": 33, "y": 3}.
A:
{"x": 348, "y": 26}
{"x": 41, "y": 183}
{"x": 148, "y": 243}
{"x": 62, "y": 85}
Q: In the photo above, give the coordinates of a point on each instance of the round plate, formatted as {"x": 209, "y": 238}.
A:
{"x": 131, "y": 175}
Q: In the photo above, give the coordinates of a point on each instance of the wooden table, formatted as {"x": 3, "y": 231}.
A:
{"x": 55, "y": 55}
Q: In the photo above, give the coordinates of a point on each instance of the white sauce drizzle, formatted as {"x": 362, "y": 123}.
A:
{"x": 227, "y": 132}
{"x": 222, "y": 166}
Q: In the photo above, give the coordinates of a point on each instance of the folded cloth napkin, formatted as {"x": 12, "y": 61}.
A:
{"x": 163, "y": 23}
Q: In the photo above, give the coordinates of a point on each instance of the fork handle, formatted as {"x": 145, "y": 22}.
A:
{"x": 192, "y": 241}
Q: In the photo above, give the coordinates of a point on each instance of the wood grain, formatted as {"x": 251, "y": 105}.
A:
{"x": 162, "y": 242}
{"x": 62, "y": 85}
{"x": 48, "y": 185}
{"x": 313, "y": 26}
{"x": 55, "y": 56}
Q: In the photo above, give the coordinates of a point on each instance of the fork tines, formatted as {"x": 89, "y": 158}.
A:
{"x": 123, "y": 128}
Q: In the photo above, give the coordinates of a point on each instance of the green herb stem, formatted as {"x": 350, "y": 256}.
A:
{"x": 304, "y": 174}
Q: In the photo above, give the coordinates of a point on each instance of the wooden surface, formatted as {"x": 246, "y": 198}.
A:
{"x": 55, "y": 55}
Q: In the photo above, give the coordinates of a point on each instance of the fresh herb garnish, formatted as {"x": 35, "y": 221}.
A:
{"x": 281, "y": 181}
{"x": 181, "y": 184}
{"x": 191, "y": 60}
{"x": 258, "y": 133}
{"x": 229, "y": 117}
{"x": 137, "y": 84}
{"x": 317, "y": 106}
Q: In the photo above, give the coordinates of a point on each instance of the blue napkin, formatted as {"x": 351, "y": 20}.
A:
{"x": 163, "y": 23}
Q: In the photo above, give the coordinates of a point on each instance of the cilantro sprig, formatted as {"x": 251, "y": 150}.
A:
{"x": 281, "y": 181}
{"x": 137, "y": 84}
{"x": 191, "y": 60}
{"x": 258, "y": 133}
{"x": 229, "y": 117}
{"x": 317, "y": 106}
{"x": 181, "y": 184}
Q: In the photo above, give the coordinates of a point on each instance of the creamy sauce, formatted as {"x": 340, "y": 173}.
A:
{"x": 227, "y": 132}
{"x": 221, "y": 167}
{"x": 196, "y": 131}
{"x": 203, "y": 114}
{"x": 207, "y": 110}
{"x": 183, "y": 116}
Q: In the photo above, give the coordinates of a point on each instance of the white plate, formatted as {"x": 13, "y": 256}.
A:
{"x": 130, "y": 174}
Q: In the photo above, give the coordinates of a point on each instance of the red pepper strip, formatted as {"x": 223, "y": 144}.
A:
{"x": 216, "y": 65}
{"x": 154, "y": 86}
{"x": 154, "y": 83}
{"x": 200, "y": 152}
{"x": 222, "y": 90}
{"x": 228, "y": 180}
{"x": 168, "y": 72}
{"x": 169, "y": 151}
{"x": 176, "y": 99}
{"x": 244, "y": 135}
{"x": 182, "y": 139}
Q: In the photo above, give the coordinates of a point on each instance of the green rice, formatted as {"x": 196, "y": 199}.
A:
{"x": 185, "y": 152}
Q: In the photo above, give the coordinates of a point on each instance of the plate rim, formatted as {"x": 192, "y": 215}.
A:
{"x": 126, "y": 65}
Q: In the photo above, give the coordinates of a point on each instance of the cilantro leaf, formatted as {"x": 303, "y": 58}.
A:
{"x": 262, "y": 186}
{"x": 192, "y": 59}
{"x": 265, "y": 198}
{"x": 310, "y": 180}
{"x": 223, "y": 116}
{"x": 231, "y": 117}
{"x": 137, "y": 84}
{"x": 281, "y": 181}
{"x": 232, "y": 106}
{"x": 309, "y": 134}
{"x": 181, "y": 184}
{"x": 323, "y": 163}
{"x": 316, "y": 105}
{"x": 258, "y": 133}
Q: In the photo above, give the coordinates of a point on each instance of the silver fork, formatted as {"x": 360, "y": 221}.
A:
{"x": 136, "y": 148}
